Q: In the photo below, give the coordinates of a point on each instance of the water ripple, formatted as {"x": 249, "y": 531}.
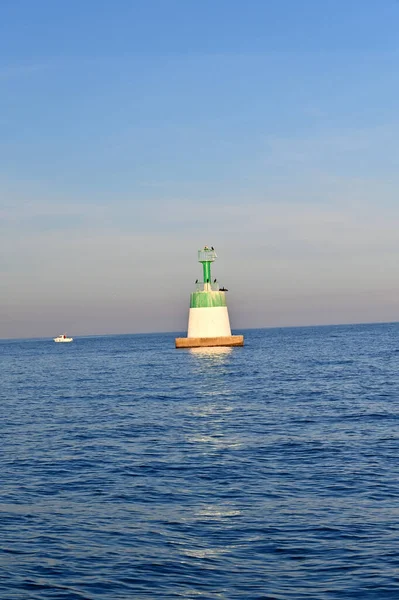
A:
{"x": 131, "y": 470}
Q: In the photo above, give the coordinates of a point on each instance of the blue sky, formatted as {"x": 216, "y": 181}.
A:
{"x": 132, "y": 133}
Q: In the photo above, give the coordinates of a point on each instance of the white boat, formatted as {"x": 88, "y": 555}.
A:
{"x": 63, "y": 338}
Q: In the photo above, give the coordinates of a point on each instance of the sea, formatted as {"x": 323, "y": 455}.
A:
{"x": 132, "y": 470}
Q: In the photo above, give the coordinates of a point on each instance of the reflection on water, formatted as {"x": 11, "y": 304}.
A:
{"x": 214, "y": 362}
{"x": 212, "y": 400}
{"x": 216, "y": 512}
{"x": 218, "y": 352}
{"x": 205, "y": 552}
{"x": 210, "y": 409}
{"x": 212, "y": 442}
{"x": 218, "y": 515}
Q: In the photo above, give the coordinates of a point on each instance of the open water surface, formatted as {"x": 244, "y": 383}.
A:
{"x": 133, "y": 470}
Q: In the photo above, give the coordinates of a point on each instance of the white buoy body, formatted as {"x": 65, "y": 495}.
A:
{"x": 208, "y": 322}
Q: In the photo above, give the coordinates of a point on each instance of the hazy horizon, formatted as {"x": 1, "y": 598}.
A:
{"x": 172, "y": 333}
{"x": 132, "y": 135}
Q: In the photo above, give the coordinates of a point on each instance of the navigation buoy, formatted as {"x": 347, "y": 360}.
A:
{"x": 208, "y": 320}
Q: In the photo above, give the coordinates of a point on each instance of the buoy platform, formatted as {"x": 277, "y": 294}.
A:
{"x": 232, "y": 340}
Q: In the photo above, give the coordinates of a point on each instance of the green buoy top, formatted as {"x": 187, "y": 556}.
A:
{"x": 208, "y": 294}
{"x": 206, "y": 257}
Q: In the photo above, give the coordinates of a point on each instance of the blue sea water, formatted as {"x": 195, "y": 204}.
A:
{"x": 133, "y": 470}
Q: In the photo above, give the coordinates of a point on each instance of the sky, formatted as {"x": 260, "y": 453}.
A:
{"x": 133, "y": 133}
